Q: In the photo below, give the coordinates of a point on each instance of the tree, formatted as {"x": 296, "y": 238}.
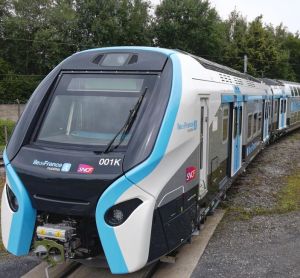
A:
{"x": 292, "y": 46}
{"x": 265, "y": 56}
{"x": 190, "y": 25}
{"x": 117, "y": 22}
{"x": 236, "y": 27}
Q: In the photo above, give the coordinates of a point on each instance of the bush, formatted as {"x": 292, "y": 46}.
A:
{"x": 10, "y": 126}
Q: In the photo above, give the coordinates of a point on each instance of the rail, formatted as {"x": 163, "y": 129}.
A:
{"x": 1, "y": 161}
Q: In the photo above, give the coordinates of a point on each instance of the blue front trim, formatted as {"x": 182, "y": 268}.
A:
{"x": 23, "y": 221}
{"x": 107, "y": 235}
{"x": 5, "y": 158}
{"x": 140, "y": 172}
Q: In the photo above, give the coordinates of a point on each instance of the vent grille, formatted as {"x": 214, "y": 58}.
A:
{"x": 98, "y": 59}
{"x": 133, "y": 59}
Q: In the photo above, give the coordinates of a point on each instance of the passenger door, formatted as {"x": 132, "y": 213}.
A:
{"x": 203, "y": 165}
{"x": 236, "y": 143}
{"x": 282, "y": 115}
{"x": 266, "y": 120}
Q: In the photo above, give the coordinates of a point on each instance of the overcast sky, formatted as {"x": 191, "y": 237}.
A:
{"x": 273, "y": 11}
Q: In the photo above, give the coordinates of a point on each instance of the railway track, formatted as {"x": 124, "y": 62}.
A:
{"x": 186, "y": 260}
{"x": 1, "y": 161}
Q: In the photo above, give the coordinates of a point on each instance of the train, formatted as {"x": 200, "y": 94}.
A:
{"x": 122, "y": 152}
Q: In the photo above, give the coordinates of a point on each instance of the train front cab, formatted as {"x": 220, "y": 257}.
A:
{"x": 68, "y": 182}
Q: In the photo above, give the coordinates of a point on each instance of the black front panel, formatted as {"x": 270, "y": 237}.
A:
{"x": 137, "y": 60}
{"x": 173, "y": 224}
{"x": 179, "y": 229}
{"x": 158, "y": 243}
{"x": 66, "y": 182}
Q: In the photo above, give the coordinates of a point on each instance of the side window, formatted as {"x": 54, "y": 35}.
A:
{"x": 235, "y": 122}
{"x": 284, "y": 106}
{"x": 276, "y": 106}
{"x": 259, "y": 122}
{"x": 298, "y": 88}
{"x": 225, "y": 124}
{"x": 250, "y": 116}
{"x": 241, "y": 119}
{"x": 255, "y": 123}
{"x": 292, "y": 91}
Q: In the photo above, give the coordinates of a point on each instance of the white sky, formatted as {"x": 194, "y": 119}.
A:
{"x": 273, "y": 11}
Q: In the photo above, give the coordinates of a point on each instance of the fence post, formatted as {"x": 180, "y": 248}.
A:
{"x": 5, "y": 134}
{"x": 19, "y": 108}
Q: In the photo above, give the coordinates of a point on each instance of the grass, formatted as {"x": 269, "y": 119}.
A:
{"x": 9, "y": 125}
{"x": 1, "y": 148}
{"x": 288, "y": 200}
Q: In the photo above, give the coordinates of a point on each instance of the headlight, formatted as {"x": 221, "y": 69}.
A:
{"x": 12, "y": 199}
{"x": 118, "y": 214}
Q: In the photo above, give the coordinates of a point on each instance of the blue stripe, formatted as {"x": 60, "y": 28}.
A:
{"x": 251, "y": 98}
{"x": 237, "y": 90}
{"x": 278, "y": 96}
{"x": 23, "y": 221}
{"x": 227, "y": 98}
{"x": 107, "y": 235}
{"x": 239, "y": 98}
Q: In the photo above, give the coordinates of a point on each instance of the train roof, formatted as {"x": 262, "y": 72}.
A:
{"x": 220, "y": 68}
{"x": 272, "y": 82}
{"x": 291, "y": 83}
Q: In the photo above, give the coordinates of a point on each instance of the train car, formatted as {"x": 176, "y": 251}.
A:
{"x": 285, "y": 106}
{"x": 123, "y": 151}
{"x": 292, "y": 90}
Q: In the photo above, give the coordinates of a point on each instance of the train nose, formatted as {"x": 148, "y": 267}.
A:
{"x": 120, "y": 210}
{"x": 17, "y": 215}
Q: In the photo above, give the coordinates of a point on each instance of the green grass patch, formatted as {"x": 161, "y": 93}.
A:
{"x": 9, "y": 126}
{"x": 288, "y": 200}
{"x": 289, "y": 196}
{"x": 2, "y": 148}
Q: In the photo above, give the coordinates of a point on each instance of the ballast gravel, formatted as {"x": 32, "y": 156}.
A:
{"x": 266, "y": 246}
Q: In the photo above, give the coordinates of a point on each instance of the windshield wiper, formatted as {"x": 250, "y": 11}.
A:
{"x": 126, "y": 127}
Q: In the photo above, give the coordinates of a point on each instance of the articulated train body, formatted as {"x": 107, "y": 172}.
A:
{"x": 123, "y": 151}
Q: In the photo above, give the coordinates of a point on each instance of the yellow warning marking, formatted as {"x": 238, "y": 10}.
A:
{"x": 42, "y": 232}
{"x": 57, "y": 234}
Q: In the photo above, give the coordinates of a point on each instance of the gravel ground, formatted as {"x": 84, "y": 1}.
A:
{"x": 260, "y": 233}
{"x": 13, "y": 267}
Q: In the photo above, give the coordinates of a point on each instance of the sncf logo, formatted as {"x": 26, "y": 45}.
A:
{"x": 85, "y": 169}
{"x": 190, "y": 173}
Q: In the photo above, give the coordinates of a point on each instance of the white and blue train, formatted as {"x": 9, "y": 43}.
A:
{"x": 121, "y": 152}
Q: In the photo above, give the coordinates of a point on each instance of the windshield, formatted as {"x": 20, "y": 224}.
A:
{"x": 89, "y": 109}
